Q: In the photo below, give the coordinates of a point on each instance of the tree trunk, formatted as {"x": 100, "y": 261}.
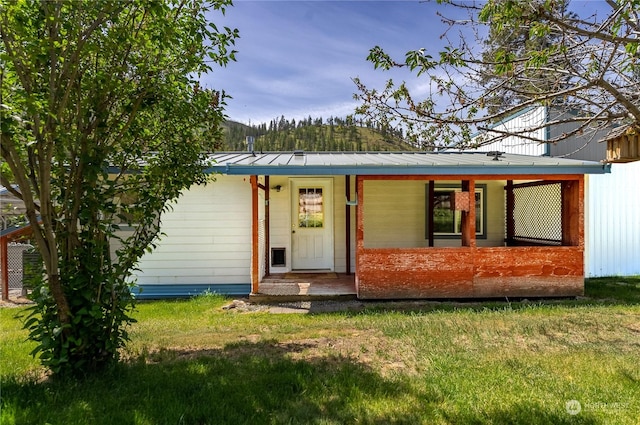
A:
{"x": 64, "y": 312}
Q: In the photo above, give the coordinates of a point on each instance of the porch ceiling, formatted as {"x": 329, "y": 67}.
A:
{"x": 396, "y": 163}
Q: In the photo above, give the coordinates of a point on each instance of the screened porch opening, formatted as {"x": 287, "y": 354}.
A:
{"x": 507, "y": 213}
{"x": 542, "y": 213}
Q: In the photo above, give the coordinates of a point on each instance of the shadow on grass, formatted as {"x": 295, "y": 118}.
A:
{"x": 608, "y": 291}
{"x": 250, "y": 383}
{"x": 245, "y": 382}
{"x": 621, "y": 290}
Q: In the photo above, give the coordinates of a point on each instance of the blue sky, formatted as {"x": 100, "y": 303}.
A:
{"x": 297, "y": 58}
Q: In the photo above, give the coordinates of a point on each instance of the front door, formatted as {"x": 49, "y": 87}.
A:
{"x": 312, "y": 224}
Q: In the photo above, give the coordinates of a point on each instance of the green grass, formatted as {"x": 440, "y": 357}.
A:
{"x": 189, "y": 362}
{"x": 614, "y": 289}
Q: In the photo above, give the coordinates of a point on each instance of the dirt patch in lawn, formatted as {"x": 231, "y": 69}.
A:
{"x": 373, "y": 350}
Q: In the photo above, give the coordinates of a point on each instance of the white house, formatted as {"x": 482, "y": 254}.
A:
{"x": 385, "y": 224}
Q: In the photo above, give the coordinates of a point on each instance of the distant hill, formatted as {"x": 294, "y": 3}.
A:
{"x": 333, "y": 134}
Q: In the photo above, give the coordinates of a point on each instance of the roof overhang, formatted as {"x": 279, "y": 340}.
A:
{"x": 397, "y": 163}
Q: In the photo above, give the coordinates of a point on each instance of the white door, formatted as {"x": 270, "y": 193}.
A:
{"x": 312, "y": 224}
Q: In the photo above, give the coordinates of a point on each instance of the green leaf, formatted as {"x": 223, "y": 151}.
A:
{"x": 119, "y": 93}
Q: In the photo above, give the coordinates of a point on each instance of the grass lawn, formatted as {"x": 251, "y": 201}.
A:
{"x": 190, "y": 362}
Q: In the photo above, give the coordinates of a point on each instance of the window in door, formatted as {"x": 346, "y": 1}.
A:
{"x": 310, "y": 207}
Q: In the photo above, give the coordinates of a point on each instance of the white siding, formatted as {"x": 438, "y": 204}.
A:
{"x": 207, "y": 237}
{"x": 585, "y": 147}
{"x": 612, "y": 227}
{"x": 529, "y": 118}
{"x": 496, "y": 209}
{"x": 394, "y": 213}
{"x": 339, "y": 225}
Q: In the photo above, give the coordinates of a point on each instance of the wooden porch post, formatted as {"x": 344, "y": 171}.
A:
{"x": 4, "y": 263}
{"x": 255, "y": 264}
{"x": 572, "y": 195}
{"x": 359, "y": 225}
{"x": 511, "y": 224}
{"x": 469, "y": 217}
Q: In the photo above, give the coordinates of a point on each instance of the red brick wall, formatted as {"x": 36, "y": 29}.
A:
{"x": 470, "y": 272}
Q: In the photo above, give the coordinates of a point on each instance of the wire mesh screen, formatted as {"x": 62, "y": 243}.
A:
{"x": 14, "y": 260}
{"x": 537, "y": 213}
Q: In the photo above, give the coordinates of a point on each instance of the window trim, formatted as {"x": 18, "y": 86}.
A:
{"x": 442, "y": 187}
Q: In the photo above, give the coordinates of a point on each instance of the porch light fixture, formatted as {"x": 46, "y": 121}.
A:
{"x": 277, "y": 188}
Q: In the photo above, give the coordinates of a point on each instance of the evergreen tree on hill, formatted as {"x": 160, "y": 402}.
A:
{"x": 314, "y": 134}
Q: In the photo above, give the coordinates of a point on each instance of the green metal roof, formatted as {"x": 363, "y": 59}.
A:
{"x": 396, "y": 163}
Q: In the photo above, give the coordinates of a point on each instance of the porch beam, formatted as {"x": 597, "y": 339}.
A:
{"x": 255, "y": 263}
{"x": 537, "y": 183}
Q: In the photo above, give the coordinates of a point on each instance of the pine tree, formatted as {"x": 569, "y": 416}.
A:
{"x": 509, "y": 44}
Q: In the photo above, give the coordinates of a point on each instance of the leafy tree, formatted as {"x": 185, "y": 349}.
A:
{"x": 589, "y": 75}
{"x": 87, "y": 86}
{"x": 519, "y": 43}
